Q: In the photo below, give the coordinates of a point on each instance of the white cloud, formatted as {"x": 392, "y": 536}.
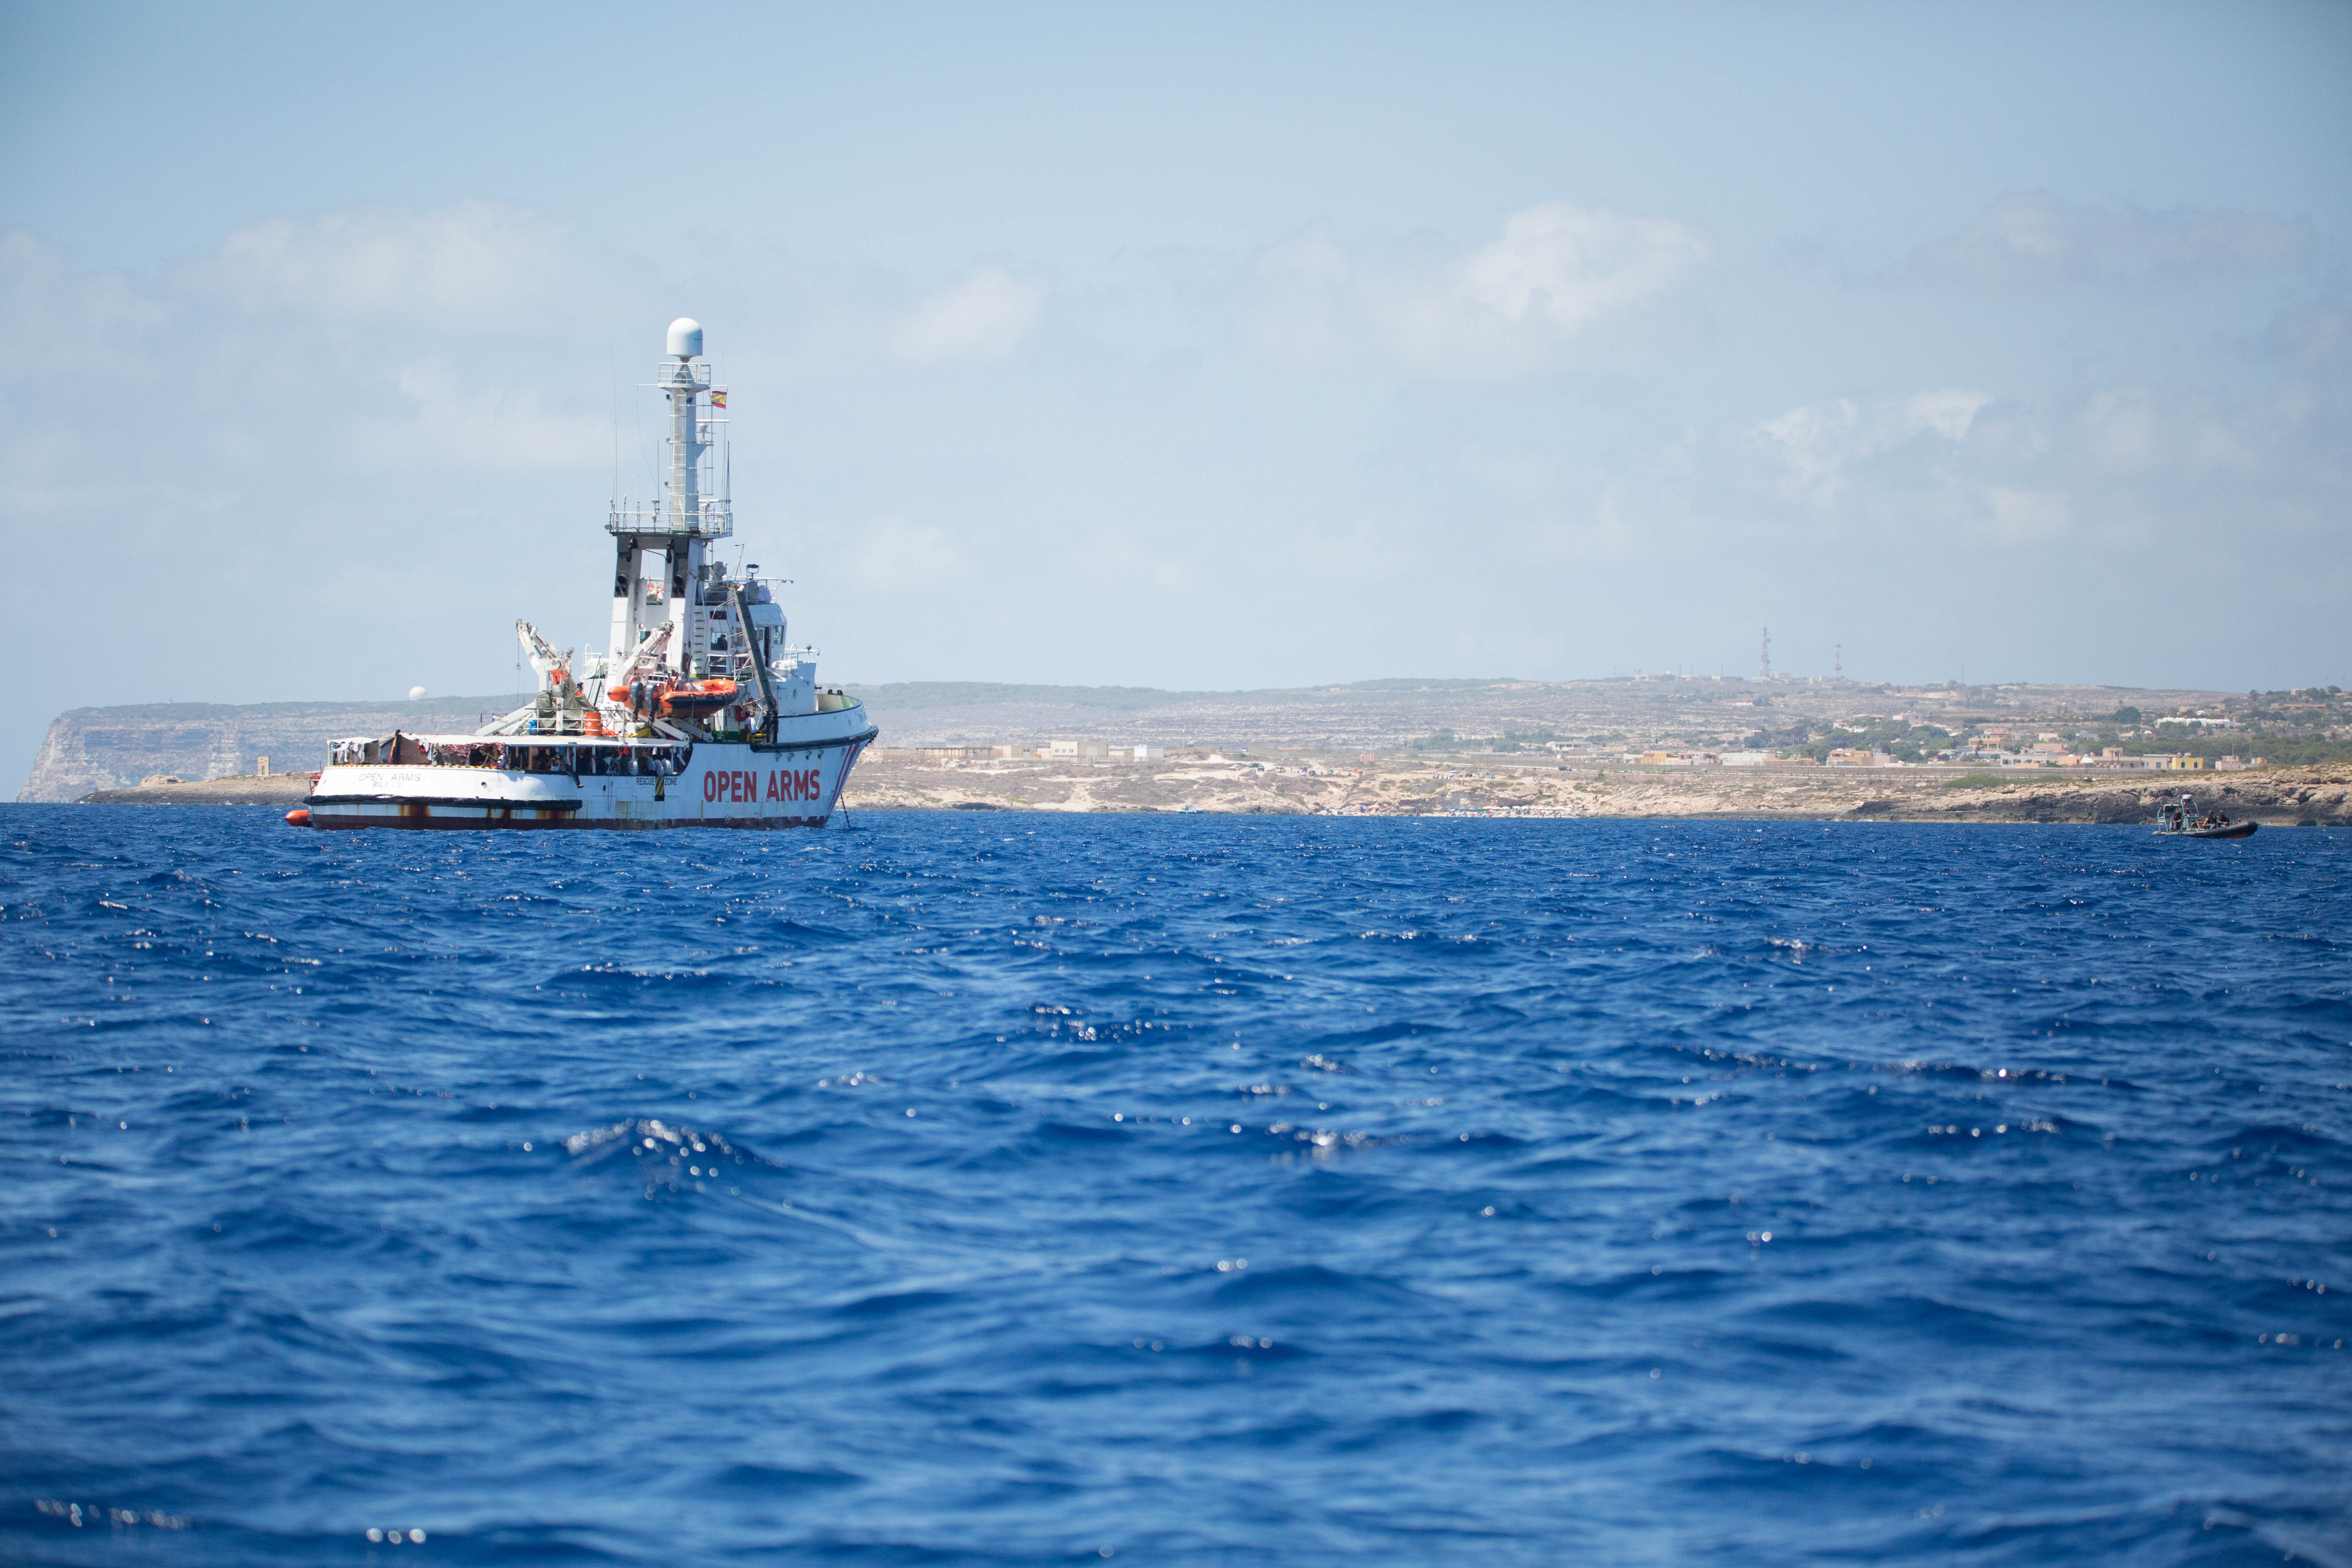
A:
{"x": 2139, "y": 431}
{"x": 1948, "y": 411}
{"x": 51, "y": 315}
{"x": 456, "y": 421}
{"x": 2032, "y": 239}
{"x": 981, "y": 320}
{"x": 2122, "y": 430}
{"x": 2011, "y": 514}
{"x": 1931, "y": 464}
{"x": 1820, "y": 443}
{"x": 475, "y": 264}
{"x": 1566, "y": 265}
{"x": 1816, "y": 443}
{"x": 2149, "y": 464}
{"x": 1519, "y": 305}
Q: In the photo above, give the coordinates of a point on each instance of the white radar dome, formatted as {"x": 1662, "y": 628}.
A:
{"x": 686, "y": 338}
{"x": 416, "y": 694}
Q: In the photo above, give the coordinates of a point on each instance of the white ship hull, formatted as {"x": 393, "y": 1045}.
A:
{"x": 790, "y": 782}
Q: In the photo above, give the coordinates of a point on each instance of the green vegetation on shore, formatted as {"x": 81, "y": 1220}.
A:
{"x": 1907, "y": 743}
{"x": 2279, "y": 751}
{"x": 1511, "y": 741}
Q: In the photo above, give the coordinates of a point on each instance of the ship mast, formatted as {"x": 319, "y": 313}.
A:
{"x": 683, "y": 526}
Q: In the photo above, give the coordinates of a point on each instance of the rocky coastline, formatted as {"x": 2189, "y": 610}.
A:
{"x": 1498, "y": 748}
{"x": 1412, "y": 787}
{"x": 2276, "y": 798}
{"x": 242, "y": 789}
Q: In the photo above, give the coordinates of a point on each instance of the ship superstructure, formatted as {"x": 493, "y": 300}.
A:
{"x": 702, "y": 714}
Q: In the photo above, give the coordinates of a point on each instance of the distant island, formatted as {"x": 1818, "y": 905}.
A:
{"x": 1644, "y": 745}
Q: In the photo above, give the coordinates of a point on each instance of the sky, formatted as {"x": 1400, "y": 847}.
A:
{"x": 1200, "y": 347}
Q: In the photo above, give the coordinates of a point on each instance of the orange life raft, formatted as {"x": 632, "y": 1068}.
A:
{"x": 698, "y": 696}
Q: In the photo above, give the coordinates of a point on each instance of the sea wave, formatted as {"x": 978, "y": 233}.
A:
{"x": 1188, "y": 1189}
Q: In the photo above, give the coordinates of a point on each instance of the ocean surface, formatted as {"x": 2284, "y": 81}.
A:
{"x": 1009, "y": 1188}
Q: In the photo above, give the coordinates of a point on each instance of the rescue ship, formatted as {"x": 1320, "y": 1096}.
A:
{"x": 701, "y": 715}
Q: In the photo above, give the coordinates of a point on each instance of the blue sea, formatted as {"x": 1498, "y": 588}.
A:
{"x": 1011, "y": 1188}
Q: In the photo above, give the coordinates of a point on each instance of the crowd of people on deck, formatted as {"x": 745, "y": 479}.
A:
{"x": 532, "y": 756}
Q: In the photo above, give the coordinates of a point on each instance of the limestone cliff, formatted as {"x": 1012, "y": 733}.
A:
{"x": 91, "y": 749}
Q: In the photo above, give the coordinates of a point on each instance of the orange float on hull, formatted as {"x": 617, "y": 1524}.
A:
{"x": 298, "y": 818}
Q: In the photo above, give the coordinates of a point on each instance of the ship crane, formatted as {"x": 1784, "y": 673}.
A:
{"x": 543, "y": 654}
{"x": 557, "y": 689}
{"x": 645, "y": 663}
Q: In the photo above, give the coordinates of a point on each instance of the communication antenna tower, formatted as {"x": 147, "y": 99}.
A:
{"x": 1768, "y": 653}
{"x": 1837, "y": 661}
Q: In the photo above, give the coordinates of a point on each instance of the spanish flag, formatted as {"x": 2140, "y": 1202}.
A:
{"x": 718, "y": 400}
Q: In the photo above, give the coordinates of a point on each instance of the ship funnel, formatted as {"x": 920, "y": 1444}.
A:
{"x": 686, "y": 338}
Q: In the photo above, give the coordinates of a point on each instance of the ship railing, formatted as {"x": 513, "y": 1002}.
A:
{"x": 715, "y": 521}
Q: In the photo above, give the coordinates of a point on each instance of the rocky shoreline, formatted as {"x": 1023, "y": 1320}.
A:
{"x": 2277, "y": 797}
{"x": 1412, "y": 787}
{"x": 115, "y": 748}
{"x": 247, "y": 789}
